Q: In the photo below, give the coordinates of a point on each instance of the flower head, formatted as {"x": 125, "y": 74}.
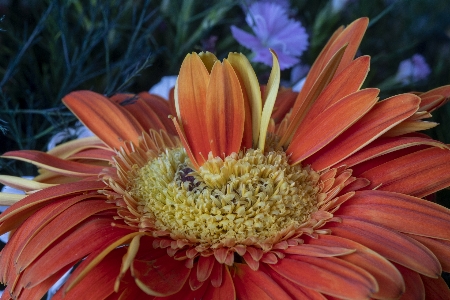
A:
{"x": 412, "y": 70}
{"x": 273, "y": 30}
{"x": 247, "y": 192}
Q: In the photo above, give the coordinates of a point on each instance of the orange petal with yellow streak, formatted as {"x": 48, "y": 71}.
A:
{"x": 14, "y": 215}
{"x": 251, "y": 285}
{"x": 343, "y": 279}
{"x": 104, "y": 118}
{"x": 418, "y": 174}
{"x": 22, "y": 183}
{"x": 161, "y": 276}
{"x": 66, "y": 149}
{"x": 94, "y": 154}
{"x": 83, "y": 240}
{"x": 443, "y": 91}
{"x": 225, "y": 111}
{"x": 316, "y": 134}
{"x": 318, "y": 251}
{"x": 252, "y": 97}
{"x": 190, "y": 102}
{"x": 384, "y": 146}
{"x": 102, "y": 277}
{"x": 383, "y": 116}
{"x": 54, "y": 164}
{"x": 58, "y": 227}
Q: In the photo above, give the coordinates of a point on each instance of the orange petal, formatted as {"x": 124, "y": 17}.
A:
{"x": 419, "y": 174}
{"x": 435, "y": 288}
{"x": 14, "y": 215}
{"x": 388, "y": 243}
{"x": 96, "y": 256}
{"x": 427, "y": 97}
{"x": 162, "y": 109}
{"x": 313, "y": 136}
{"x": 388, "y": 277}
{"x": 345, "y": 83}
{"x": 104, "y": 118}
{"x": 350, "y": 36}
{"x": 163, "y": 276}
{"x": 90, "y": 236}
{"x": 94, "y": 154}
{"x": 305, "y": 101}
{"x": 38, "y": 292}
{"x": 226, "y": 291}
{"x": 58, "y": 227}
{"x": 102, "y": 277}
{"x": 190, "y": 101}
{"x": 328, "y": 275}
{"x": 413, "y": 283}
{"x": 205, "y": 266}
{"x": 283, "y": 104}
{"x": 384, "y": 146}
{"x": 252, "y": 95}
{"x": 383, "y": 116}
{"x": 294, "y": 290}
{"x": 224, "y": 111}
{"x": 139, "y": 109}
{"x": 54, "y": 164}
{"x": 251, "y": 285}
{"x": 440, "y": 248}
{"x": 401, "y": 212}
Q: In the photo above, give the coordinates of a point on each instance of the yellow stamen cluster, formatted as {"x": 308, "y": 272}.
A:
{"x": 246, "y": 195}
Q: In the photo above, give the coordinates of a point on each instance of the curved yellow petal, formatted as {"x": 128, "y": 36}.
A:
{"x": 270, "y": 95}
{"x": 10, "y": 199}
{"x": 22, "y": 183}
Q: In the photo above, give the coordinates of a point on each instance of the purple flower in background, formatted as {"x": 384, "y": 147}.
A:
{"x": 273, "y": 29}
{"x": 412, "y": 70}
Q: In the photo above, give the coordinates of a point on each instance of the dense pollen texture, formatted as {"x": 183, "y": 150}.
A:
{"x": 246, "y": 195}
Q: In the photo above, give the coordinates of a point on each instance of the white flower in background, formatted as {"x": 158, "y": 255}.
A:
{"x": 77, "y": 132}
{"x": 412, "y": 70}
{"x": 163, "y": 87}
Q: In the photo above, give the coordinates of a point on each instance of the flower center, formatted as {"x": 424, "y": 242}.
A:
{"x": 246, "y": 195}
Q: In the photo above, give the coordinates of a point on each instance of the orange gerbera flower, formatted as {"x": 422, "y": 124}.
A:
{"x": 243, "y": 194}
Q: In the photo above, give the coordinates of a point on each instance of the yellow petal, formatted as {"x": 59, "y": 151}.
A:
{"x": 270, "y": 95}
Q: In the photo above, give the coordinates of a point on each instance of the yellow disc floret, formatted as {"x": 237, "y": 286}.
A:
{"x": 246, "y": 195}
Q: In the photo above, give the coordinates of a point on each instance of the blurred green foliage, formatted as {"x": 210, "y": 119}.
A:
{"x": 50, "y": 48}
